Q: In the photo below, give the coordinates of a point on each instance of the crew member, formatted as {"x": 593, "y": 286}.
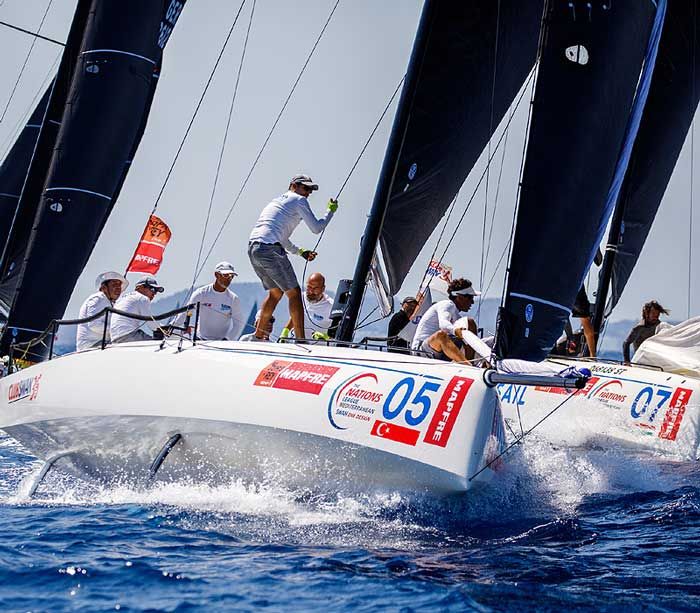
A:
{"x": 317, "y": 307}
{"x": 138, "y": 302}
{"x": 436, "y": 333}
{"x": 220, "y": 313}
{"x": 109, "y": 286}
{"x": 400, "y": 319}
{"x": 269, "y": 240}
{"x": 645, "y": 329}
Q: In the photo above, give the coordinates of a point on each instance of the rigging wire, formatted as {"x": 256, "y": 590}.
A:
{"x": 519, "y": 439}
{"x": 482, "y": 265}
{"x": 540, "y": 49}
{"x": 352, "y": 170}
{"x": 24, "y": 65}
{"x": 196, "y": 110}
{"x": 223, "y": 145}
{"x": 483, "y": 174}
{"x": 267, "y": 140}
{"x": 34, "y": 34}
{"x": 24, "y": 118}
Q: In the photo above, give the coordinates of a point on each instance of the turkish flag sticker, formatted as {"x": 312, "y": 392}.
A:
{"x": 400, "y": 434}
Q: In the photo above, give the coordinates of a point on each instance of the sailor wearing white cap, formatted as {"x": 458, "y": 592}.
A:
{"x": 109, "y": 286}
{"x": 138, "y": 302}
{"x": 270, "y": 239}
{"x": 220, "y": 313}
{"x": 437, "y": 335}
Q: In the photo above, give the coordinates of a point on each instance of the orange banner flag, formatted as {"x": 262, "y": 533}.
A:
{"x": 149, "y": 253}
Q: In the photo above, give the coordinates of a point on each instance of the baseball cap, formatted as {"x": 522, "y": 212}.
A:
{"x": 151, "y": 282}
{"x": 225, "y": 268}
{"x": 304, "y": 180}
{"x": 110, "y": 275}
{"x": 409, "y": 299}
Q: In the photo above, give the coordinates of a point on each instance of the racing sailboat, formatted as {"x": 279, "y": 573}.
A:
{"x": 627, "y": 171}
{"x": 306, "y": 413}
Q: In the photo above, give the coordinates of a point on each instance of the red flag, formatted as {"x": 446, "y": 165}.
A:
{"x": 400, "y": 434}
{"x": 149, "y": 253}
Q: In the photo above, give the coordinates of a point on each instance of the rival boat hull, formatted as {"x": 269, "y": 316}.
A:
{"x": 634, "y": 406}
{"x": 305, "y": 415}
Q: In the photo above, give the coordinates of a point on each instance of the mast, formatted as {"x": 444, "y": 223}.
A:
{"x": 388, "y": 172}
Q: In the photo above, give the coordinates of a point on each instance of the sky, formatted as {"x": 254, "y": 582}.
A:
{"x": 340, "y": 97}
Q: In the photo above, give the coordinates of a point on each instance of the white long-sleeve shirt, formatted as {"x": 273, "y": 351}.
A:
{"x": 91, "y": 333}
{"x": 441, "y": 316}
{"x": 136, "y": 303}
{"x": 220, "y": 314}
{"x": 280, "y": 218}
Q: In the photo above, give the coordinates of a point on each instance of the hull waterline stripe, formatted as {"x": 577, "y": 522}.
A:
{"x": 542, "y": 301}
{"x": 76, "y": 189}
{"x": 141, "y": 57}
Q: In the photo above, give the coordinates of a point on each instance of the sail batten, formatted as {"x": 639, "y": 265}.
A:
{"x": 588, "y": 76}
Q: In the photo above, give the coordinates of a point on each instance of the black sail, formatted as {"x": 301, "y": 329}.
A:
{"x": 110, "y": 75}
{"x": 13, "y": 170}
{"x": 589, "y": 68}
{"x": 477, "y": 57}
{"x": 668, "y": 114}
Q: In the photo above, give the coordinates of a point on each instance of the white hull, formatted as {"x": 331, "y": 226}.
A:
{"x": 302, "y": 414}
{"x": 634, "y": 406}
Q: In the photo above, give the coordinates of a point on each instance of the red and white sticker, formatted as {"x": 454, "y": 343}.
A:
{"x": 295, "y": 376}
{"x": 447, "y": 410}
{"x": 394, "y": 432}
{"x": 674, "y": 413}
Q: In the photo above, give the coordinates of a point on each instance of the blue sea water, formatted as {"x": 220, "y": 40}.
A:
{"x": 593, "y": 529}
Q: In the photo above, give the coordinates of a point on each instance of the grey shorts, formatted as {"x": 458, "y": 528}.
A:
{"x": 439, "y": 355}
{"x": 271, "y": 264}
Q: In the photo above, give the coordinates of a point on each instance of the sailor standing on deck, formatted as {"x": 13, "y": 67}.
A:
{"x": 270, "y": 239}
{"x": 125, "y": 329}
{"x": 109, "y": 286}
{"x": 220, "y": 314}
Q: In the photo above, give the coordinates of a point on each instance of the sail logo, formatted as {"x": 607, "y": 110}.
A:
{"x": 529, "y": 313}
{"x": 447, "y": 410}
{"x": 354, "y": 400}
{"x": 26, "y": 388}
{"x": 295, "y": 376}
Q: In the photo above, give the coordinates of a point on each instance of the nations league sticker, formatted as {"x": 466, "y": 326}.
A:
{"x": 412, "y": 171}
{"x": 529, "y": 313}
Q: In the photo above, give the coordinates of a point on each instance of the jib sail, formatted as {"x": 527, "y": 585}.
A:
{"x": 589, "y": 70}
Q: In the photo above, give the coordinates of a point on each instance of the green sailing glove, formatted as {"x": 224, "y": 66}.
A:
{"x": 332, "y": 205}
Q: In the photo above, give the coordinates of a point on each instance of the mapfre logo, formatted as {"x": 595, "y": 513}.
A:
{"x": 295, "y": 376}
